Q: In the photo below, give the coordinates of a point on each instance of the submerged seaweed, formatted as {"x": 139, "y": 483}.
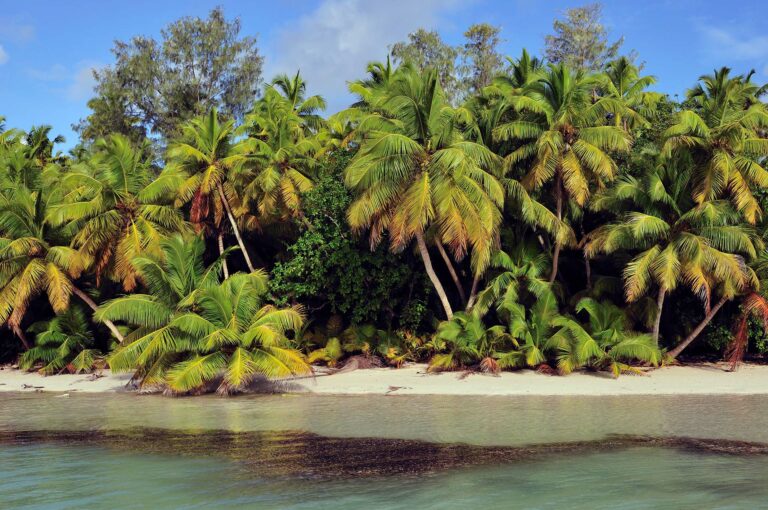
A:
{"x": 308, "y": 455}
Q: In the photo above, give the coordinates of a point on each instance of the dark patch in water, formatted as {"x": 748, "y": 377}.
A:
{"x": 307, "y": 455}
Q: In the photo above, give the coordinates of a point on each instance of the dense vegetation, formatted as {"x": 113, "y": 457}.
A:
{"x": 466, "y": 210}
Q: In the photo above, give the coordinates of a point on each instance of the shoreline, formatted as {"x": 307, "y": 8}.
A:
{"x": 699, "y": 379}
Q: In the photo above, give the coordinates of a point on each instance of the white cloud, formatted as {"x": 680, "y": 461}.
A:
{"x": 16, "y": 31}
{"x": 332, "y": 44}
{"x": 725, "y": 43}
{"x": 3, "y": 56}
{"x": 56, "y": 72}
{"x": 81, "y": 84}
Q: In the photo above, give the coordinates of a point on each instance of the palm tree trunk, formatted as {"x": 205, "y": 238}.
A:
{"x": 657, "y": 320}
{"x": 473, "y": 292}
{"x": 221, "y": 254}
{"x": 432, "y": 276}
{"x": 698, "y": 329}
{"x": 20, "y": 333}
{"x": 236, "y": 230}
{"x": 452, "y": 272}
{"x": 90, "y": 302}
{"x": 556, "y": 254}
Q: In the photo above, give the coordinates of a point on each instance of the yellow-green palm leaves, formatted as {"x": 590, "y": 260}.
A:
{"x": 34, "y": 258}
{"x": 564, "y": 139}
{"x": 281, "y": 158}
{"x": 415, "y": 171}
{"x": 721, "y": 140}
{"x": 191, "y": 330}
{"x": 207, "y": 154}
{"x": 622, "y": 81}
{"x": 118, "y": 209}
{"x": 703, "y": 248}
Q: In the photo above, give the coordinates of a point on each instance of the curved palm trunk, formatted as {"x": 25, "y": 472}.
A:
{"x": 20, "y": 334}
{"x": 657, "y": 320}
{"x": 432, "y": 276}
{"x": 698, "y": 329}
{"x": 556, "y": 254}
{"x": 473, "y": 292}
{"x": 91, "y": 303}
{"x": 452, "y": 271}
{"x": 236, "y": 230}
{"x": 221, "y": 254}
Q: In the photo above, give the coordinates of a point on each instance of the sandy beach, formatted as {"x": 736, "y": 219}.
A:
{"x": 700, "y": 379}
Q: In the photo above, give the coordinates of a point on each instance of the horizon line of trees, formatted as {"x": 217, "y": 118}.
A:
{"x": 550, "y": 216}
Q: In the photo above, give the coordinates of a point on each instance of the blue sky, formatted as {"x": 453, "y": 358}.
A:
{"x": 48, "y": 48}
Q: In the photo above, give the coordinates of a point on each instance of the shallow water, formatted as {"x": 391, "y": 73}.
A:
{"x": 305, "y": 451}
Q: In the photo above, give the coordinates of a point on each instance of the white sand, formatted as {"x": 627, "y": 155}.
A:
{"x": 17, "y": 380}
{"x": 413, "y": 380}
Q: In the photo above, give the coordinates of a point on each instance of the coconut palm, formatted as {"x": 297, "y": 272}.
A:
{"x": 562, "y": 132}
{"x": 622, "y": 81}
{"x": 721, "y": 140}
{"x": 190, "y": 329}
{"x": 62, "y": 343}
{"x": 518, "y": 272}
{"x": 674, "y": 243}
{"x": 294, "y": 90}
{"x": 540, "y": 332}
{"x": 606, "y": 341}
{"x": 280, "y": 159}
{"x": 118, "y": 208}
{"x": 35, "y": 259}
{"x": 469, "y": 341}
{"x": 414, "y": 170}
{"x": 207, "y": 153}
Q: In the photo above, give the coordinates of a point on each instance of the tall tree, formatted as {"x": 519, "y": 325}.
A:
{"x": 207, "y": 153}
{"x": 674, "y": 242}
{"x": 723, "y": 138}
{"x": 480, "y": 55}
{"x": 425, "y": 49}
{"x": 562, "y": 132}
{"x": 415, "y": 170}
{"x": 156, "y": 85}
{"x": 118, "y": 208}
{"x": 581, "y": 40}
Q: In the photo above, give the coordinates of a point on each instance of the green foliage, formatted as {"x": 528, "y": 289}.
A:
{"x": 327, "y": 268}
{"x": 581, "y": 40}
{"x": 381, "y": 214}
{"x": 156, "y": 85}
{"x": 193, "y": 330}
{"x": 63, "y": 343}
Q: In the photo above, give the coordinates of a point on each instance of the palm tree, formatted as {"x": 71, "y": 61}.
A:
{"x": 280, "y": 159}
{"x": 624, "y": 83}
{"x": 34, "y": 259}
{"x": 190, "y": 329}
{"x": 721, "y": 140}
{"x": 307, "y": 108}
{"x": 414, "y": 170}
{"x": 607, "y": 341}
{"x": 702, "y": 247}
{"x": 40, "y": 146}
{"x": 118, "y": 208}
{"x": 539, "y": 331}
{"x": 469, "y": 341}
{"x": 562, "y": 131}
{"x": 62, "y": 343}
{"x": 519, "y": 272}
{"x": 207, "y": 154}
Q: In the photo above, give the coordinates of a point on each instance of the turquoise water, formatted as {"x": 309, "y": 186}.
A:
{"x": 273, "y": 451}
